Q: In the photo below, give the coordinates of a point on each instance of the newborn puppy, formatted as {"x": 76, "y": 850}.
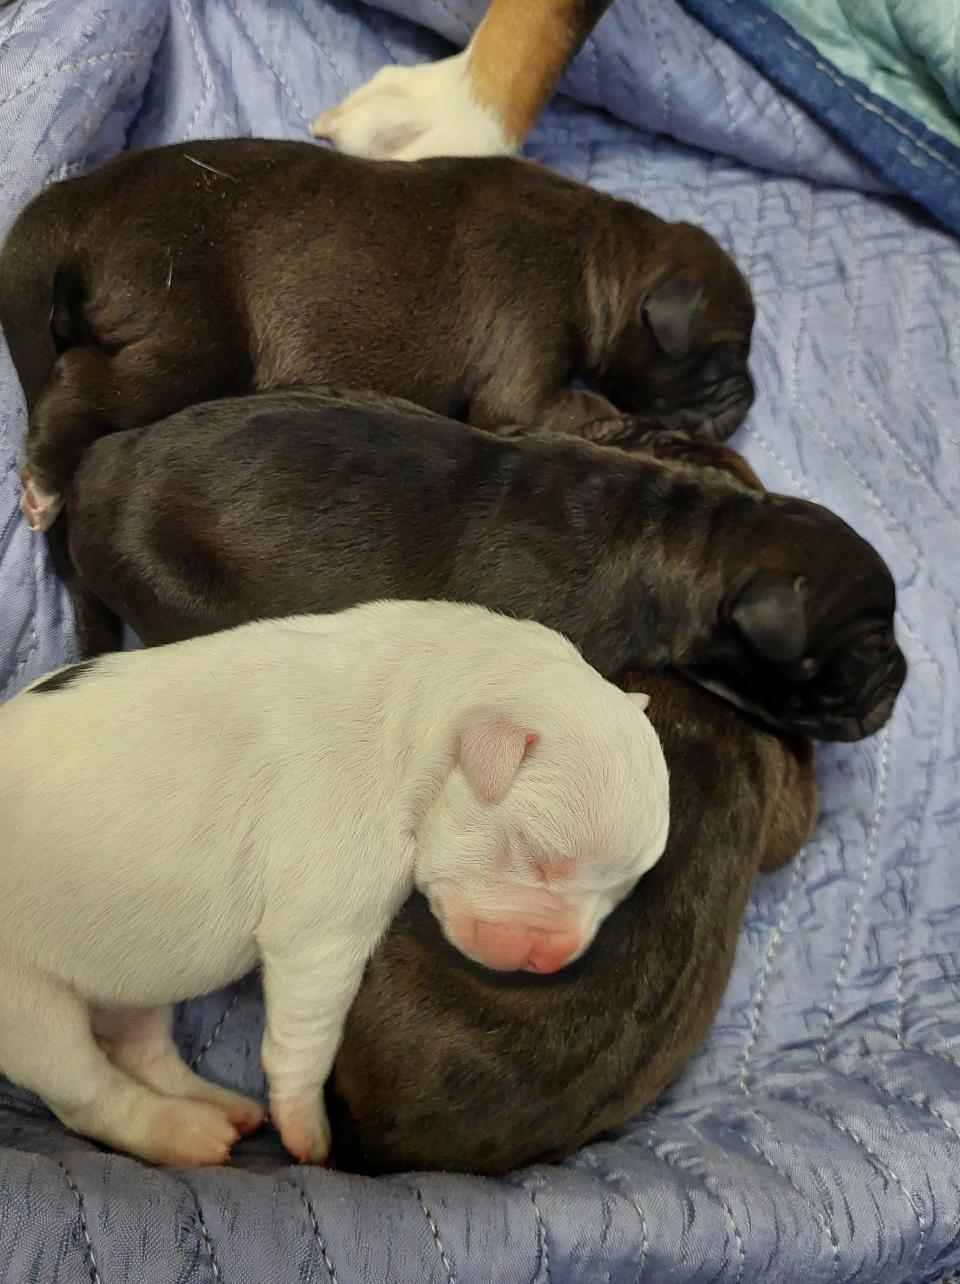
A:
{"x": 445, "y": 1066}
{"x": 481, "y": 102}
{"x": 317, "y": 500}
{"x": 479, "y": 288}
{"x": 271, "y": 796}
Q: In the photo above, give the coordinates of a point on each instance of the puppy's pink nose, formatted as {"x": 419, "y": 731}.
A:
{"x": 514, "y": 945}
{"x": 551, "y": 952}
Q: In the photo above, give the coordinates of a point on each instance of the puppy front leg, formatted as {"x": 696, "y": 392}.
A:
{"x": 308, "y": 993}
{"x": 592, "y": 418}
{"x": 574, "y": 412}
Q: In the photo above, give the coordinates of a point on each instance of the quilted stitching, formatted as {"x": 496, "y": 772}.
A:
{"x": 817, "y": 1136}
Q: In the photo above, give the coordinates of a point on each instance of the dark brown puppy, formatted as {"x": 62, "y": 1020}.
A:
{"x": 315, "y": 501}
{"x": 479, "y": 288}
{"x": 447, "y": 1066}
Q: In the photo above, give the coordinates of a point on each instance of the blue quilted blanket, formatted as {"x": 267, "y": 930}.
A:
{"x": 817, "y": 1134}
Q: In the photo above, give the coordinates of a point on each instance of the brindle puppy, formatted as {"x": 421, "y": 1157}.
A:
{"x": 478, "y": 287}
{"x": 315, "y": 501}
{"x": 447, "y": 1066}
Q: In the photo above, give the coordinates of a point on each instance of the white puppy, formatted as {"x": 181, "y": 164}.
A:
{"x": 171, "y": 818}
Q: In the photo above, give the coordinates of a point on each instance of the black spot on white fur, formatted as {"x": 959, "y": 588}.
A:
{"x": 65, "y": 677}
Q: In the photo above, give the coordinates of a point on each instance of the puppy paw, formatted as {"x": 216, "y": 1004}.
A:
{"x": 192, "y": 1134}
{"x": 39, "y": 506}
{"x": 408, "y": 113}
{"x": 245, "y": 1114}
{"x": 304, "y": 1130}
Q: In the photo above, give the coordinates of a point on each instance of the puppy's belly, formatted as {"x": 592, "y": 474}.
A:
{"x": 118, "y": 953}
{"x": 123, "y": 977}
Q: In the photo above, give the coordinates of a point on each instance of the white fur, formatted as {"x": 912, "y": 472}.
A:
{"x": 407, "y": 113}
{"x": 173, "y": 817}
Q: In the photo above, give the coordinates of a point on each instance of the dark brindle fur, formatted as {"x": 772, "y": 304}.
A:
{"x": 479, "y": 288}
{"x": 315, "y": 501}
{"x": 444, "y": 1065}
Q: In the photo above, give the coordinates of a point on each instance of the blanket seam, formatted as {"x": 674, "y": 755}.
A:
{"x": 447, "y": 1264}
{"x": 664, "y": 70}
{"x": 201, "y": 65}
{"x": 939, "y": 424}
{"x": 868, "y": 1150}
{"x": 712, "y": 1186}
{"x": 89, "y": 1255}
{"x": 923, "y": 1107}
{"x": 864, "y": 486}
{"x": 912, "y": 467}
{"x": 541, "y": 1234}
{"x": 278, "y": 75}
{"x": 315, "y": 33}
{"x": 761, "y": 991}
{"x": 634, "y": 1202}
{"x": 215, "y": 1032}
{"x": 821, "y": 1217}
{"x": 873, "y": 847}
{"x": 205, "y": 1237}
{"x": 77, "y": 64}
{"x": 718, "y": 71}
{"x": 315, "y": 1228}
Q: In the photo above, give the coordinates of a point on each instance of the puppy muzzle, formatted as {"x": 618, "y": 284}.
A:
{"x": 712, "y": 411}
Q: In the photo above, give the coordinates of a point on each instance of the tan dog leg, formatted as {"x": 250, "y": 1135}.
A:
{"x": 481, "y": 102}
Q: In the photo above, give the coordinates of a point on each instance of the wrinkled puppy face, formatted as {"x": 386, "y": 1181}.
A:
{"x": 807, "y": 632}
{"x": 682, "y": 355}
{"x": 535, "y": 838}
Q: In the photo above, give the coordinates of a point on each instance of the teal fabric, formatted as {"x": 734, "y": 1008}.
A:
{"x": 906, "y": 51}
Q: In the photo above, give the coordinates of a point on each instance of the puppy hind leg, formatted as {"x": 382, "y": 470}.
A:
{"x": 92, "y": 392}
{"x": 139, "y": 1041}
{"x": 47, "y": 1046}
{"x": 98, "y": 629}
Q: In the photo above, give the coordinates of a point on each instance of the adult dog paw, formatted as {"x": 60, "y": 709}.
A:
{"x": 407, "y": 113}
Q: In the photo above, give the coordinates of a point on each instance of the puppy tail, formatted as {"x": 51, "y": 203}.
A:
{"x": 68, "y": 324}
{"x": 98, "y": 629}
{"x": 31, "y": 296}
{"x": 42, "y": 314}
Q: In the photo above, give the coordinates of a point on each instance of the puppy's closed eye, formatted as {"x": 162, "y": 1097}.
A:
{"x": 555, "y": 869}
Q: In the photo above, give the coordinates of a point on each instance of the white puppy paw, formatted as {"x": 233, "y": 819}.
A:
{"x": 190, "y": 1134}
{"x": 407, "y": 113}
{"x": 243, "y": 1113}
{"x": 303, "y": 1127}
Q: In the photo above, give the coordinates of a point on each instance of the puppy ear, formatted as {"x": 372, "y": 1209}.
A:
{"x": 671, "y": 310}
{"x": 770, "y": 614}
{"x": 489, "y": 752}
{"x": 640, "y": 699}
